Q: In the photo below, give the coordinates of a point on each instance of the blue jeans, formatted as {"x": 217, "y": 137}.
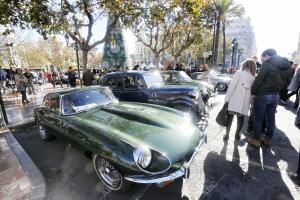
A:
{"x": 264, "y": 105}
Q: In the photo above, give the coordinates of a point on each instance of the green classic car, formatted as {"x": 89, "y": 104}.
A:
{"x": 173, "y": 77}
{"x": 130, "y": 142}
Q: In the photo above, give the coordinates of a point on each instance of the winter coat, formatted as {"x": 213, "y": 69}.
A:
{"x": 87, "y": 78}
{"x": 238, "y": 94}
{"x": 21, "y": 82}
{"x": 273, "y": 76}
{"x": 294, "y": 85}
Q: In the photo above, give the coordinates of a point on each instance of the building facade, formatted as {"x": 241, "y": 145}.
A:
{"x": 143, "y": 55}
{"x": 241, "y": 30}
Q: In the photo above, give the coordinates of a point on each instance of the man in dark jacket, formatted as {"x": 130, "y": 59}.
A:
{"x": 71, "y": 77}
{"x": 273, "y": 75}
{"x": 87, "y": 77}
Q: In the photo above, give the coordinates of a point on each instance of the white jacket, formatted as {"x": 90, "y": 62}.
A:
{"x": 238, "y": 94}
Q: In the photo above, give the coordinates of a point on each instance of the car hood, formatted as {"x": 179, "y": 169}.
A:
{"x": 159, "y": 128}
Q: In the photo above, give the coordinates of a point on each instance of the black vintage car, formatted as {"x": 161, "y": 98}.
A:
{"x": 149, "y": 87}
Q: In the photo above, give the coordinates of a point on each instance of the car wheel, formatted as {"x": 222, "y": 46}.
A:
{"x": 42, "y": 132}
{"x": 221, "y": 87}
{"x": 109, "y": 175}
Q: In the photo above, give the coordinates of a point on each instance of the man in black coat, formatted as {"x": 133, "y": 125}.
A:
{"x": 272, "y": 77}
{"x": 72, "y": 77}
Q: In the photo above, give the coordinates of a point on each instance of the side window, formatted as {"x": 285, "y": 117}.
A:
{"x": 52, "y": 103}
{"x": 115, "y": 83}
{"x": 133, "y": 82}
{"x": 169, "y": 78}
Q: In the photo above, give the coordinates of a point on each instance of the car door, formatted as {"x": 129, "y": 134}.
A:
{"x": 116, "y": 84}
{"x": 134, "y": 89}
{"x": 52, "y": 117}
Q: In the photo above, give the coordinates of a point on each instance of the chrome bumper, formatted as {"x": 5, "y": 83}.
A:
{"x": 183, "y": 171}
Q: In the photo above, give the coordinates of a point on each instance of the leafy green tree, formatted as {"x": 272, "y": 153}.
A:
{"x": 158, "y": 22}
{"x": 223, "y": 8}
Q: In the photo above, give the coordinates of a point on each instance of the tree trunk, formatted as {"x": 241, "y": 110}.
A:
{"x": 84, "y": 59}
{"x": 216, "y": 48}
{"x": 224, "y": 43}
{"x": 156, "y": 61}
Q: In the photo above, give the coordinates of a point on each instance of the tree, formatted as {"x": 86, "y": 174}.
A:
{"x": 159, "y": 22}
{"x": 31, "y": 55}
{"x": 193, "y": 30}
{"x": 79, "y": 17}
{"x": 222, "y": 8}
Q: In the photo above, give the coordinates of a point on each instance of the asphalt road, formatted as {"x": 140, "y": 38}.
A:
{"x": 232, "y": 170}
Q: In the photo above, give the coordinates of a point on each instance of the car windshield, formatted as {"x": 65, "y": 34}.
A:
{"x": 182, "y": 76}
{"x": 84, "y": 100}
{"x": 153, "y": 79}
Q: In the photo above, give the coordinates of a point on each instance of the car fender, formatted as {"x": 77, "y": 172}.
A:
{"x": 183, "y": 101}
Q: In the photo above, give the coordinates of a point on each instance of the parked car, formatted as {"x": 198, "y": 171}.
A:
{"x": 129, "y": 142}
{"x": 173, "y": 77}
{"x": 36, "y": 79}
{"x": 149, "y": 87}
{"x": 220, "y": 81}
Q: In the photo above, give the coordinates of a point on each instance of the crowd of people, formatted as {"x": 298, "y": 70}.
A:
{"x": 260, "y": 91}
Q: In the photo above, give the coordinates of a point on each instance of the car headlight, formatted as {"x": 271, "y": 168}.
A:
{"x": 142, "y": 157}
{"x": 195, "y": 94}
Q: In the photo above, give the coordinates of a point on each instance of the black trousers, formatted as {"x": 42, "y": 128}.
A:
{"x": 240, "y": 122}
{"x": 24, "y": 97}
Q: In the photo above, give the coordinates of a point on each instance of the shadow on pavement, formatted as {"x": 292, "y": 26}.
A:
{"x": 259, "y": 178}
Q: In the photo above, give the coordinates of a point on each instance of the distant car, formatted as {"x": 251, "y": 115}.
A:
{"x": 36, "y": 79}
{"x": 129, "y": 142}
{"x": 173, "y": 77}
{"x": 149, "y": 87}
{"x": 220, "y": 81}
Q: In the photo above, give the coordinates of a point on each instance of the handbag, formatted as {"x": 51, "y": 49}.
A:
{"x": 222, "y": 117}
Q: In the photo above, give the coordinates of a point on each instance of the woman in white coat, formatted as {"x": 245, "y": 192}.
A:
{"x": 238, "y": 96}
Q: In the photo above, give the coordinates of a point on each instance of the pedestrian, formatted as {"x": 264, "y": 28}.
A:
{"x": 49, "y": 77}
{"x": 238, "y": 96}
{"x": 284, "y": 92}
{"x": 2, "y": 79}
{"x": 72, "y": 77}
{"x": 21, "y": 82}
{"x": 294, "y": 87}
{"x": 56, "y": 79}
{"x": 29, "y": 77}
{"x": 88, "y": 77}
{"x": 272, "y": 77}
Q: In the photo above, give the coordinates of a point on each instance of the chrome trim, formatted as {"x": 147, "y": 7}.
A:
{"x": 202, "y": 140}
{"x": 149, "y": 180}
{"x": 169, "y": 177}
{"x": 149, "y": 172}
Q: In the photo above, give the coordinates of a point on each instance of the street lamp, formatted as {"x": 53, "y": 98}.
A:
{"x": 234, "y": 44}
{"x": 75, "y": 46}
{"x": 240, "y": 52}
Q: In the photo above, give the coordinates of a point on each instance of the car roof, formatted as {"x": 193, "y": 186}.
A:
{"x": 171, "y": 71}
{"x": 133, "y": 72}
{"x": 83, "y": 88}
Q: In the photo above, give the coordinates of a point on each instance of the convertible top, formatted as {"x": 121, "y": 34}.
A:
{"x": 83, "y": 88}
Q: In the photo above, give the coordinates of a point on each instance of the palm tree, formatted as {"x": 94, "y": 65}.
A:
{"x": 225, "y": 9}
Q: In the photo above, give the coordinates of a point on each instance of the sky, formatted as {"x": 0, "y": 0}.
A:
{"x": 276, "y": 25}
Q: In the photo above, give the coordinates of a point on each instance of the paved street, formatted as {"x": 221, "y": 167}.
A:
{"x": 232, "y": 170}
{"x": 17, "y": 112}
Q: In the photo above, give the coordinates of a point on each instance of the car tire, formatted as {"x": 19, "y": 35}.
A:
{"x": 107, "y": 172}
{"x": 42, "y": 132}
{"x": 221, "y": 87}
{"x": 187, "y": 109}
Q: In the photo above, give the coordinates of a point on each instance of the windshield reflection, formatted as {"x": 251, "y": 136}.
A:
{"x": 80, "y": 101}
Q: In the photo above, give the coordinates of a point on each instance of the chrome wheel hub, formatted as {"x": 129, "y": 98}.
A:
{"x": 111, "y": 177}
{"x": 42, "y": 131}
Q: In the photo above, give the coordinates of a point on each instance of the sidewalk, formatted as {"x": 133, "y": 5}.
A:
{"x": 17, "y": 113}
{"x": 19, "y": 177}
